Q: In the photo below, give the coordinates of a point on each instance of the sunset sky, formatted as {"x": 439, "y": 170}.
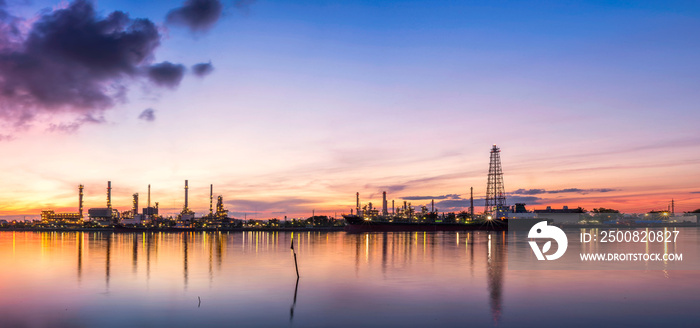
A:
{"x": 293, "y": 106}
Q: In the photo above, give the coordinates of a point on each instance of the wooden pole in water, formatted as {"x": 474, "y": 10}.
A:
{"x": 295, "y": 257}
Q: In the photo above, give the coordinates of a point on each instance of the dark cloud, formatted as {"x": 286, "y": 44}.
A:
{"x": 148, "y": 114}
{"x": 166, "y": 74}
{"x": 529, "y": 191}
{"x": 71, "y": 127}
{"x": 72, "y": 60}
{"x": 389, "y": 189}
{"x": 197, "y": 15}
{"x": 524, "y": 199}
{"x": 459, "y": 204}
{"x": 559, "y": 191}
{"x": 695, "y": 192}
{"x": 202, "y": 69}
{"x": 448, "y": 196}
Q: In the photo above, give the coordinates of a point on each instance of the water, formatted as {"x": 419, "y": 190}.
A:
{"x": 381, "y": 279}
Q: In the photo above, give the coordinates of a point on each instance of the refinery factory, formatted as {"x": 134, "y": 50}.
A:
{"x": 149, "y": 216}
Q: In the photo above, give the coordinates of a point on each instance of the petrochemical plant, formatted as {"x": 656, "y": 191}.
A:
{"x": 149, "y": 216}
{"x": 495, "y": 209}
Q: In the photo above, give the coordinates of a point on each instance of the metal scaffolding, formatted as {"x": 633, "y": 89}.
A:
{"x": 495, "y": 191}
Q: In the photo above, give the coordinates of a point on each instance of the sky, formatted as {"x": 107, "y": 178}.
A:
{"x": 289, "y": 107}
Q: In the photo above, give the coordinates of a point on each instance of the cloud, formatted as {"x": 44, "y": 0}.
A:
{"x": 524, "y": 199}
{"x": 6, "y": 137}
{"x": 559, "y": 191}
{"x": 148, "y": 115}
{"x": 197, "y": 15}
{"x": 287, "y": 205}
{"x": 448, "y": 196}
{"x": 389, "y": 188}
{"x": 459, "y": 204}
{"x": 695, "y": 192}
{"x": 166, "y": 74}
{"x": 202, "y": 69}
{"x": 71, "y": 127}
{"x": 529, "y": 191}
{"x": 73, "y": 60}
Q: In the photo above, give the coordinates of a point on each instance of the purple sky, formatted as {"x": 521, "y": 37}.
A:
{"x": 291, "y": 106}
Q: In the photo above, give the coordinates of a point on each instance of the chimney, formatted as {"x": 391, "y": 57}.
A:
{"x": 673, "y": 207}
{"x": 384, "y": 204}
{"x": 211, "y": 200}
{"x": 358, "y": 203}
{"x": 471, "y": 202}
{"x": 80, "y": 201}
{"x": 186, "y": 194}
{"x": 149, "y": 195}
{"x": 109, "y": 194}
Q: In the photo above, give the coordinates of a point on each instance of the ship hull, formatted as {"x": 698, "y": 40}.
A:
{"x": 354, "y": 226}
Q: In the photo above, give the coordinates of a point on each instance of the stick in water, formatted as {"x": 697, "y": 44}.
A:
{"x": 200, "y": 301}
{"x": 295, "y": 257}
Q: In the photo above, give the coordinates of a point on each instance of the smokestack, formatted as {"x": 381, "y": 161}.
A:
{"x": 384, "y": 210}
{"x": 109, "y": 194}
{"x": 432, "y": 206}
{"x": 393, "y": 209}
{"x": 149, "y": 195}
{"x": 211, "y": 200}
{"x": 471, "y": 202}
{"x": 673, "y": 207}
{"x": 135, "y": 208}
{"x": 80, "y": 201}
{"x": 186, "y": 188}
{"x": 358, "y": 203}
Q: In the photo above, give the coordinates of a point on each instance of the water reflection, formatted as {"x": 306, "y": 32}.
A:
{"x": 107, "y": 258}
{"x": 185, "y": 242}
{"x": 495, "y": 262}
{"x": 80, "y": 254}
{"x": 349, "y": 280}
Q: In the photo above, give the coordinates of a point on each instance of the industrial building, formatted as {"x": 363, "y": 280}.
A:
{"x": 563, "y": 215}
{"x": 51, "y": 217}
{"x": 104, "y": 215}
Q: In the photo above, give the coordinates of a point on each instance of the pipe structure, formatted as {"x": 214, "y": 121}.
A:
{"x": 211, "y": 200}
{"x": 149, "y": 195}
{"x": 135, "y": 208}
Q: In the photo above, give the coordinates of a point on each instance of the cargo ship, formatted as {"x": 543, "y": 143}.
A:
{"x": 355, "y": 223}
{"x": 407, "y": 218}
